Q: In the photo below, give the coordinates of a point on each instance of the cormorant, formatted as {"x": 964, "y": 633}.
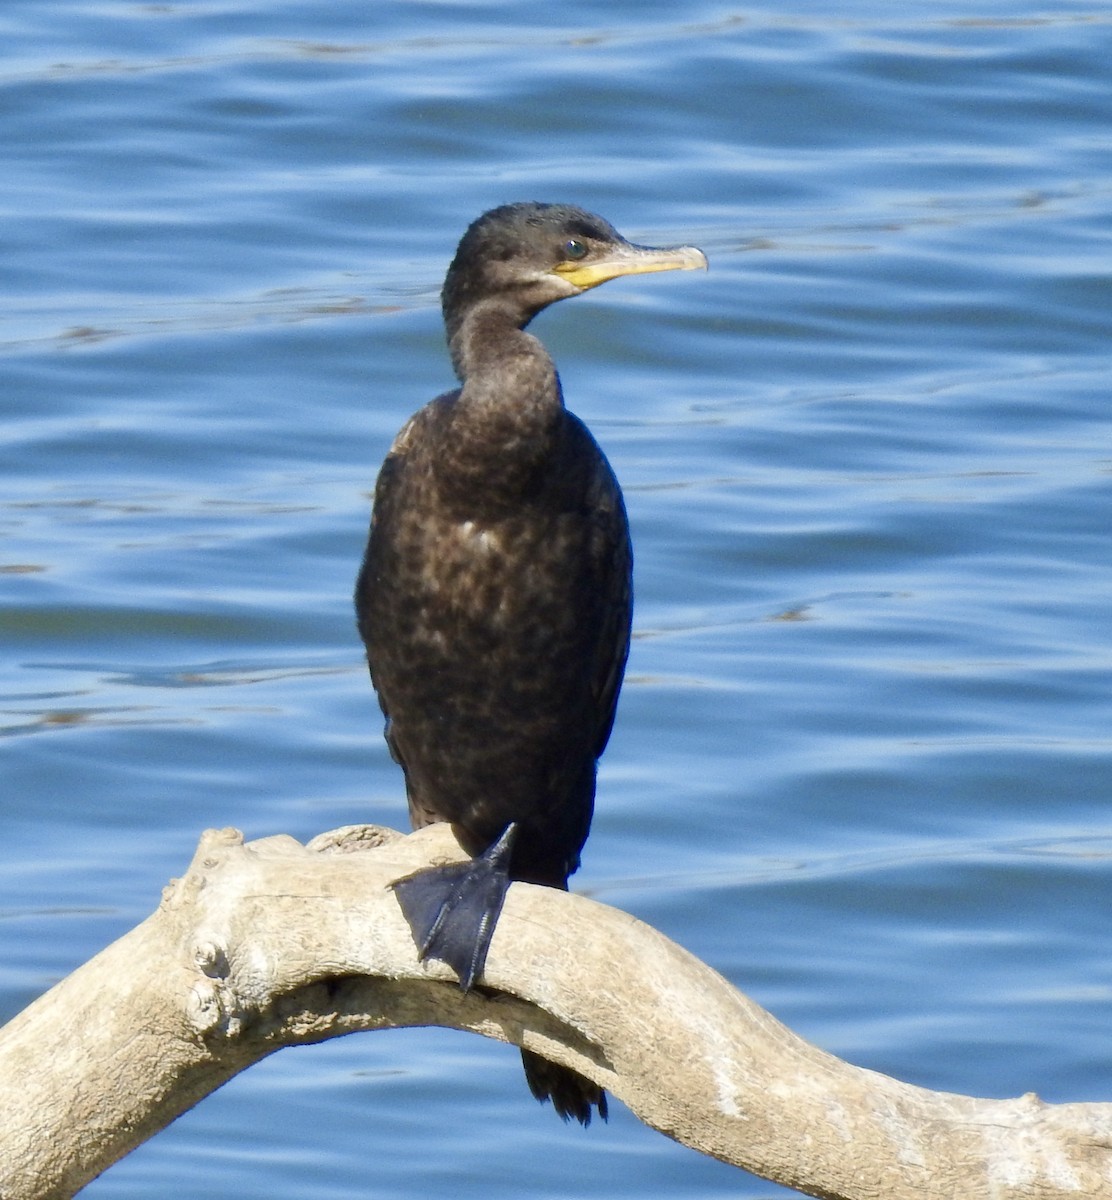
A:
{"x": 494, "y": 598}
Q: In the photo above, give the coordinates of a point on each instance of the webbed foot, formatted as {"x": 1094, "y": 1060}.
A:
{"x": 452, "y": 910}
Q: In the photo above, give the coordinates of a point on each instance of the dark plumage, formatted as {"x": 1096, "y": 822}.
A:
{"x": 494, "y": 598}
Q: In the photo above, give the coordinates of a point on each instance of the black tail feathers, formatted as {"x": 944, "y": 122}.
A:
{"x": 572, "y": 1094}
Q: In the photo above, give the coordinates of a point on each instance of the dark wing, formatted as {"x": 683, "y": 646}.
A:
{"x": 612, "y": 556}
{"x": 383, "y": 563}
{"x": 614, "y": 643}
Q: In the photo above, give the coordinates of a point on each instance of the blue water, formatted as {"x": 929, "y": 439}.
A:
{"x": 863, "y": 759}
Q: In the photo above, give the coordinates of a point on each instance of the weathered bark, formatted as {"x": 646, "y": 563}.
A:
{"x": 271, "y": 944}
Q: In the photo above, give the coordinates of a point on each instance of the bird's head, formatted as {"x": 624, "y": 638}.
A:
{"x": 530, "y": 255}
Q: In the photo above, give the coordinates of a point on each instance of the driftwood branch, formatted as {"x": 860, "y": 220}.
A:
{"x": 273, "y": 944}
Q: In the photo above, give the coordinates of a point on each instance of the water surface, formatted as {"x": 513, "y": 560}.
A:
{"x": 862, "y": 761}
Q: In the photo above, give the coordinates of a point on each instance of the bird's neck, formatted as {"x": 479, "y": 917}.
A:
{"x": 505, "y": 371}
{"x": 489, "y": 337}
{"x": 507, "y": 420}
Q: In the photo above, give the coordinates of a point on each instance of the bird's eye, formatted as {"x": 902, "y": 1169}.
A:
{"x": 574, "y": 249}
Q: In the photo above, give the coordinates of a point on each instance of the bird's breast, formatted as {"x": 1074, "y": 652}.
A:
{"x": 496, "y": 576}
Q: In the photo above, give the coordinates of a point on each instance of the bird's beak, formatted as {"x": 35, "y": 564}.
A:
{"x": 630, "y": 260}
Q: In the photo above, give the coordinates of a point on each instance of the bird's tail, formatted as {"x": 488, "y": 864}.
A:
{"x": 572, "y": 1094}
